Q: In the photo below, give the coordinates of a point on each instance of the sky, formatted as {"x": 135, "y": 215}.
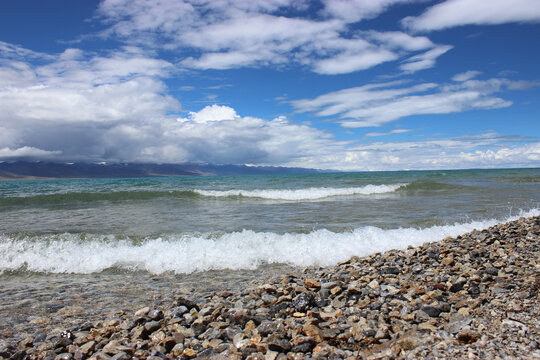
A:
{"x": 356, "y": 85}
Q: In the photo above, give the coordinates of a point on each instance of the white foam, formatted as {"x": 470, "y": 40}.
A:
{"x": 71, "y": 253}
{"x": 313, "y": 193}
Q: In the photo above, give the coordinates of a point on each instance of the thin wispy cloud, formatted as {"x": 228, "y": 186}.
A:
{"x": 452, "y": 13}
{"x": 378, "y": 104}
{"x": 391, "y": 132}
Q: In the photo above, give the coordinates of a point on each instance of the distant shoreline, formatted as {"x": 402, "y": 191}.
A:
{"x": 35, "y": 178}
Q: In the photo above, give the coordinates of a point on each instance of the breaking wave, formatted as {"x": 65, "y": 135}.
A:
{"x": 86, "y": 253}
{"x": 313, "y": 193}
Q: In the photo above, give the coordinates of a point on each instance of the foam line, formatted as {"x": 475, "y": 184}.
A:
{"x": 303, "y": 194}
{"x": 76, "y": 253}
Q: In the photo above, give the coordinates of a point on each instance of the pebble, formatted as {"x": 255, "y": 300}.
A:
{"x": 467, "y": 297}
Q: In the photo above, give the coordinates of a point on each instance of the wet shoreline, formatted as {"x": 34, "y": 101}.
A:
{"x": 54, "y": 302}
{"x": 473, "y": 296}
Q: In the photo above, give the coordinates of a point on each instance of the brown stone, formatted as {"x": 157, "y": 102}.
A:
{"x": 312, "y": 284}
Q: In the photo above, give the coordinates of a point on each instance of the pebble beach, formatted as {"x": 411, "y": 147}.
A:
{"x": 475, "y": 296}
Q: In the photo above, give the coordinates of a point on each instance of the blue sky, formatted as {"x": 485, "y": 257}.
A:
{"x": 333, "y": 84}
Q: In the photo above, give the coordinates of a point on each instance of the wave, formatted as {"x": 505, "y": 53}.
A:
{"x": 313, "y": 193}
{"x": 84, "y": 253}
{"x": 80, "y": 197}
{"x": 431, "y": 186}
{"x": 274, "y": 194}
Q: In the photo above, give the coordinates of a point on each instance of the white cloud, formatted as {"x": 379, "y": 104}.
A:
{"x": 76, "y": 107}
{"x": 229, "y": 34}
{"x": 425, "y": 60}
{"x": 26, "y": 152}
{"x": 111, "y": 108}
{"x": 487, "y": 150}
{"x": 377, "y": 104}
{"x": 216, "y": 134}
{"x": 67, "y": 103}
{"x": 468, "y": 75}
{"x": 401, "y": 40}
{"x": 347, "y": 63}
{"x": 212, "y": 113}
{"x": 451, "y": 13}
{"x": 391, "y": 132}
{"x": 356, "y": 10}
{"x": 8, "y": 51}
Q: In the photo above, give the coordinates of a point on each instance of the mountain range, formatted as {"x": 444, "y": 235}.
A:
{"x": 23, "y": 170}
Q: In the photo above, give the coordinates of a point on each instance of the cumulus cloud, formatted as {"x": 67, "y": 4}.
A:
{"x": 66, "y": 104}
{"x": 378, "y": 104}
{"x": 115, "y": 107}
{"x": 211, "y": 113}
{"x": 451, "y": 13}
{"x": 216, "y": 134}
{"x": 230, "y": 34}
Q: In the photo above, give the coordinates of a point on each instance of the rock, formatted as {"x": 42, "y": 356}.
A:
{"x": 179, "y": 311}
{"x": 303, "y": 301}
{"x": 145, "y": 310}
{"x": 140, "y": 332}
{"x": 114, "y": 347}
{"x": 271, "y": 355}
{"x": 278, "y": 344}
{"x": 374, "y": 284}
{"x": 388, "y": 290}
{"x": 152, "y": 326}
{"x": 268, "y": 299}
{"x": 421, "y": 316}
{"x": 64, "y": 356}
{"x": 468, "y": 336}
{"x": 88, "y": 347}
{"x": 156, "y": 315}
{"x": 39, "y": 337}
{"x": 303, "y": 348}
{"x": 168, "y": 343}
{"x": 224, "y": 294}
{"x": 427, "y": 326}
{"x": 444, "y": 307}
{"x": 408, "y": 342}
{"x": 447, "y": 261}
{"x": 189, "y": 353}
{"x": 432, "y": 311}
{"x": 313, "y": 331}
{"x": 267, "y": 327}
{"x": 63, "y": 342}
{"x": 458, "y": 286}
{"x": 312, "y": 284}
{"x": 177, "y": 350}
{"x": 182, "y": 301}
{"x": 393, "y": 270}
{"x": 120, "y": 356}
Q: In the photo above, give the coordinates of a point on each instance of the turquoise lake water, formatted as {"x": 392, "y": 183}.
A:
{"x": 189, "y": 224}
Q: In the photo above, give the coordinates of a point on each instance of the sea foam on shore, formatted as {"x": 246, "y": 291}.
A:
{"x": 87, "y": 253}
